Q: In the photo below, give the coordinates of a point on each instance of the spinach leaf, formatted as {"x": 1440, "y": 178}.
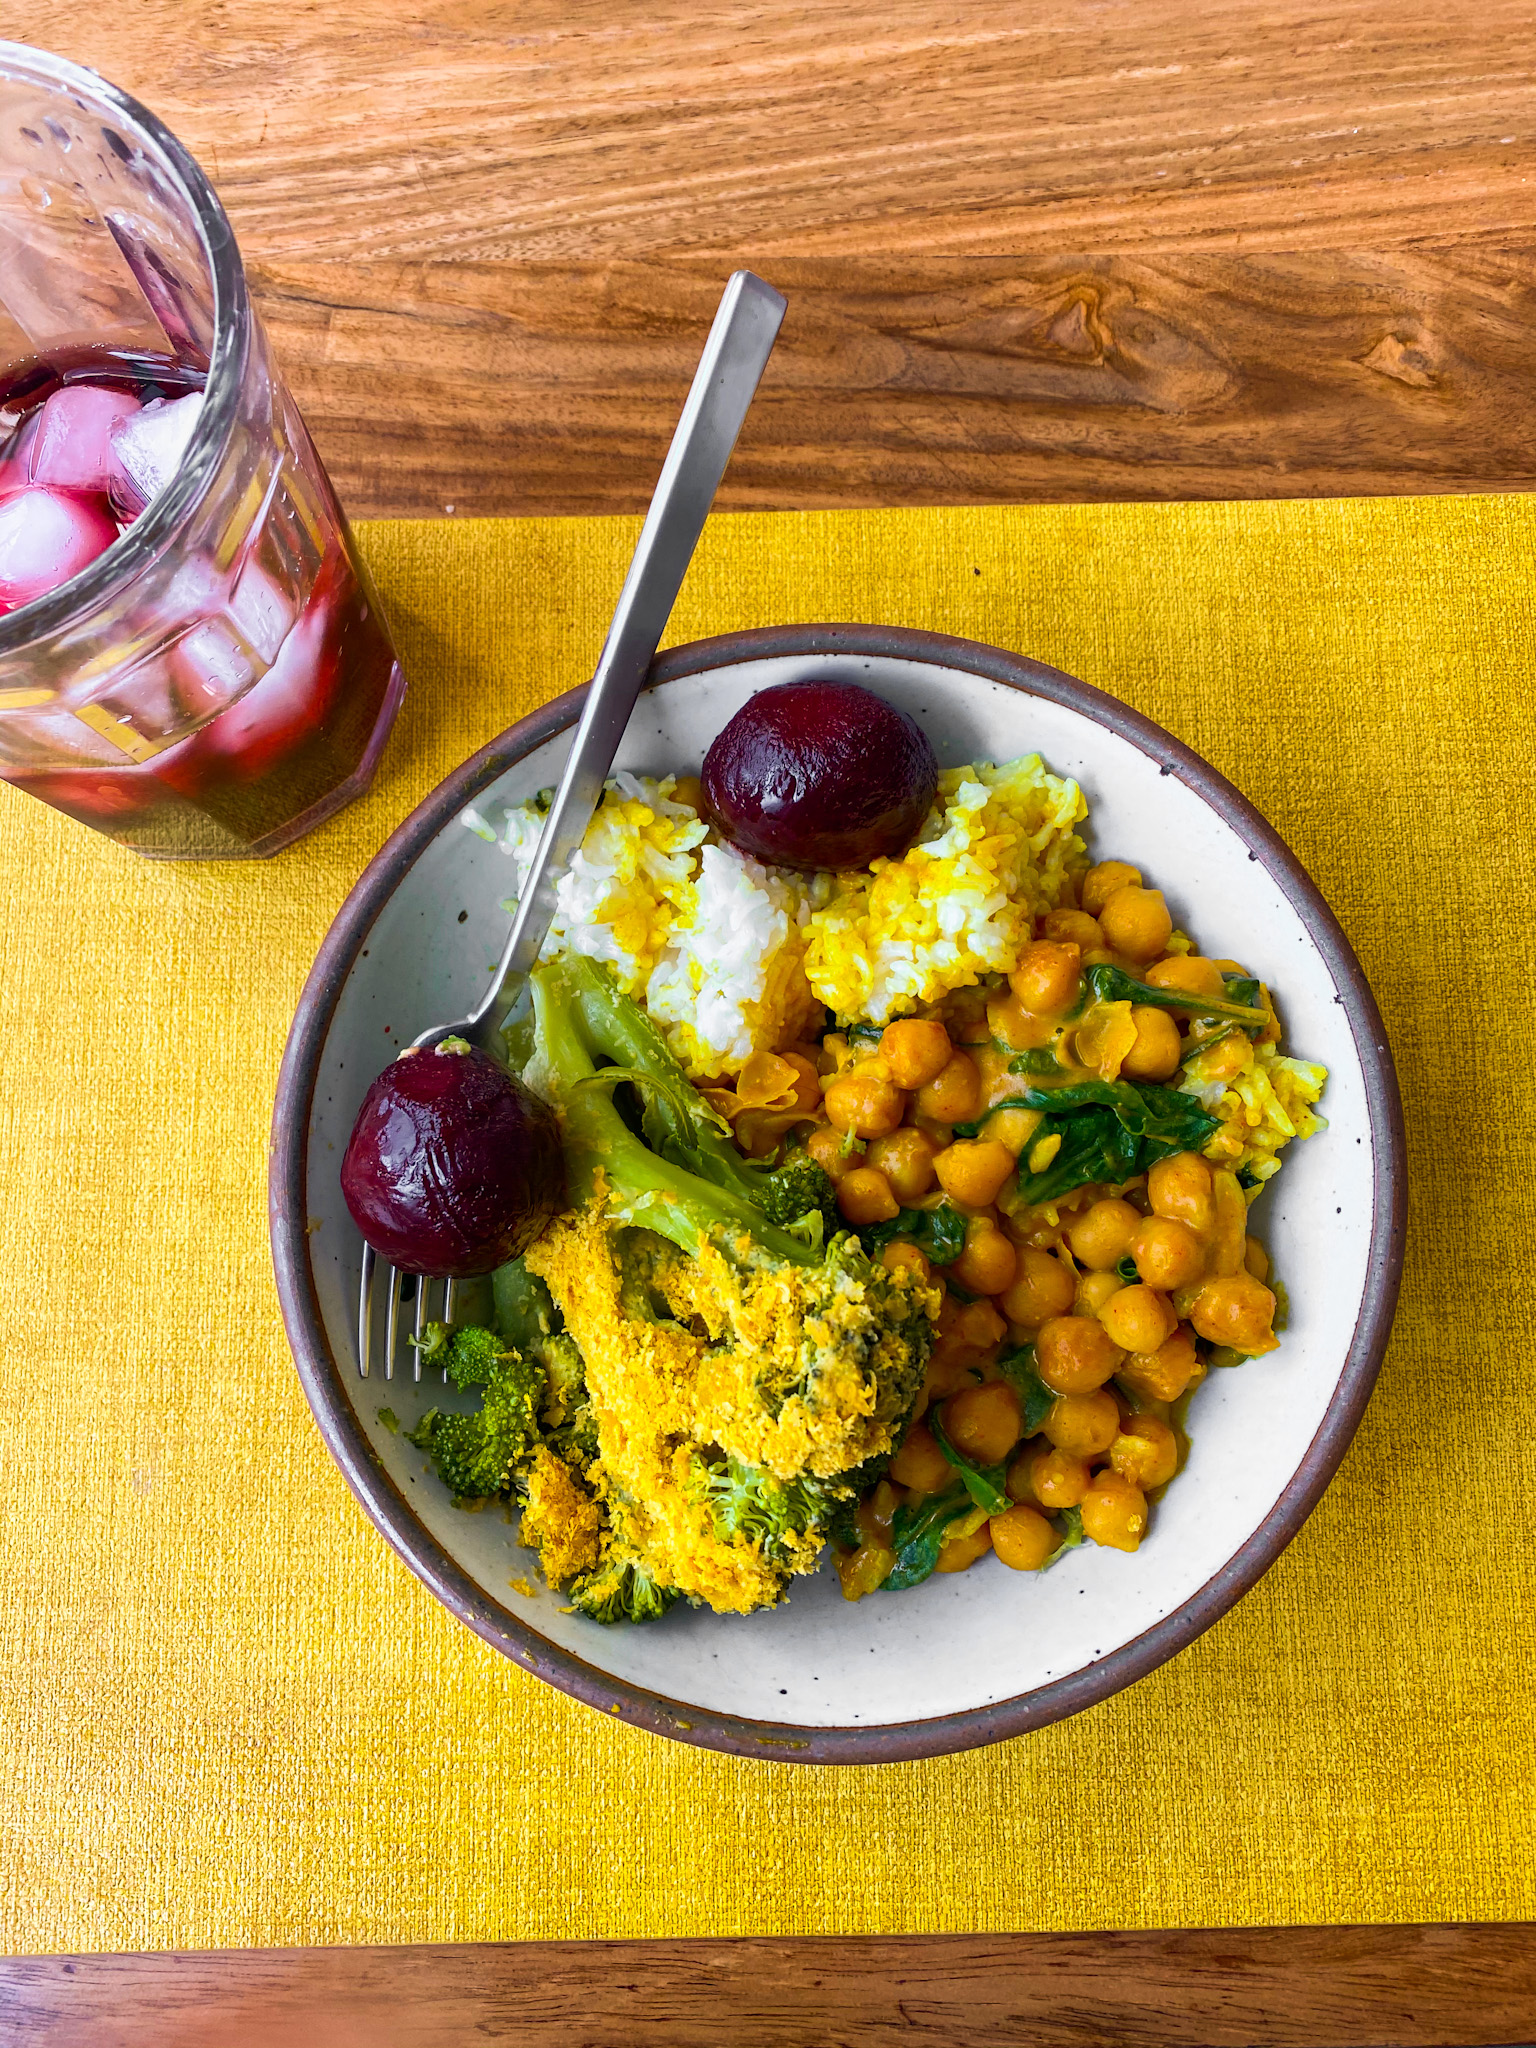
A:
{"x": 917, "y": 1536}
{"x": 940, "y": 1232}
{"x": 1242, "y": 988}
{"x": 1036, "y": 1399}
{"x": 1038, "y": 1060}
{"x": 1104, "y": 983}
{"x": 1110, "y": 1130}
{"x": 984, "y": 1483}
{"x": 864, "y": 1034}
{"x": 1095, "y": 1145}
{"x": 1070, "y": 1523}
{"x": 1128, "y": 1270}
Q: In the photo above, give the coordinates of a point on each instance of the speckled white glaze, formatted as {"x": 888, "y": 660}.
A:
{"x": 988, "y": 1635}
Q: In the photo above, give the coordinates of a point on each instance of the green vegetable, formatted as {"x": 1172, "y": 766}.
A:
{"x": 529, "y": 1321}
{"x": 1039, "y": 1059}
{"x": 1070, "y": 1523}
{"x": 939, "y": 1231}
{"x": 753, "y": 1506}
{"x": 1110, "y": 1131}
{"x": 1108, "y": 984}
{"x": 621, "y": 1589}
{"x": 1036, "y": 1399}
{"x": 917, "y": 1536}
{"x": 390, "y": 1420}
{"x": 673, "y": 1188}
{"x": 479, "y": 1456}
{"x": 1128, "y": 1270}
{"x": 984, "y": 1483}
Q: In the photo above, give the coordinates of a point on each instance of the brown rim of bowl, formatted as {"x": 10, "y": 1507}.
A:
{"x": 392, "y": 1515}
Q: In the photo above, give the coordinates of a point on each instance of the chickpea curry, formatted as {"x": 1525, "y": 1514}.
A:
{"x": 1070, "y": 1156}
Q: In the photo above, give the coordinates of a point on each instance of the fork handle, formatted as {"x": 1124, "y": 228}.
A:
{"x": 735, "y": 355}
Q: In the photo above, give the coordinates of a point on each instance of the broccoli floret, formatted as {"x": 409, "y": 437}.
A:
{"x": 799, "y": 1189}
{"x": 810, "y": 1354}
{"x": 471, "y": 1355}
{"x": 752, "y": 1506}
{"x": 529, "y": 1321}
{"x": 621, "y": 1589}
{"x": 478, "y": 1456}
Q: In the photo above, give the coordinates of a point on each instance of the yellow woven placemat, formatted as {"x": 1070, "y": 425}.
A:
{"x": 229, "y": 1716}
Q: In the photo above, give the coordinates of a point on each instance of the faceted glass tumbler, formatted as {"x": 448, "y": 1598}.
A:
{"x": 222, "y": 678}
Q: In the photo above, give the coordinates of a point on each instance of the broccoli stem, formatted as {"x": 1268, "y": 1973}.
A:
{"x": 578, "y": 1017}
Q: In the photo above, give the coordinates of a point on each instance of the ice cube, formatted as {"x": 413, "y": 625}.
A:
{"x": 151, "y": 445}
{"x": 45, "y": 538}
{"x": 261, "y": 610}
{"x": 73, "y": 449}
{"x": 15, "y": 456}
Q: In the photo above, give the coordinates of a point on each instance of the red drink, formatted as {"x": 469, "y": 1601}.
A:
{"x": 282, "y": 718}
{"x": 192, "y": 659}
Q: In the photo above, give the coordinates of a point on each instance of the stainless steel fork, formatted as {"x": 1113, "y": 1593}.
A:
{"x": 730, "y": 369}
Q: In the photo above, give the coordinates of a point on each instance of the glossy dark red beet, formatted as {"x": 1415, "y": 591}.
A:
{"x": 819, "y": 775}
{"x": 453, "y": 1166}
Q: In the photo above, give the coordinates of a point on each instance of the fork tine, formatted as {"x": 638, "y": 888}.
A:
{"x": 396, "y": 1279}
{"x": 450, "y": 1303}
{"x": 365, "y": 1312}
{"x": 422, "y": 1284}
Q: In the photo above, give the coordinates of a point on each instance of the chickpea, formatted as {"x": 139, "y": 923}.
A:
{"x": 959, "y": 1553}
{"x": 1093, "y": 1290}
{"x": 1146, "y": 1452}
{"x": 1083, "y": 1425}
{"x": 953, "y": 1096}
{"x": 1114, "y": 1512}
{"x": 1024, "y": 1539}
{"x": 1074, "y": 1354}
{"x": 864, "y": 1196}
{"x": 1238, "y": 1310}
{"x": 1189, "y": 973}
{"x": 973, "y": 1170}
{"x": 865, "y": 1103}
{"x": 1042, "y": 1287}
{"x": 1137, "y": 1318}
{"x": 1181, "y": 1189}
{"x": 1013, "y": 1127}
{"x": 1255, "y": 1258}
{"x": 920, "y": 1463}
{"x": 1015, "y": 1027}
{"x": 1167, "y": 1253}
{"x": 916, "y": 1050}
{"x": 1135, "y": 922}
{"x": 829, "y": 1149}
{"x": 989, "y": 1261}
{"x": 1164, "y": 1374}
{"x": 1101, "y": 882}
{"x": 1101, "y": 1236}
{"x": 1158, "y": 1048}
{"x": 906, "y": 1159}
{"x": 900, "y": 1257}
{"x": 967, "y": 1332}
{"x": 984, "y": 1423}
{"x": 1048, "y": 976}
{"x": 807, "y": 1088}
{"x": 1056, "y": 1479}
{"x": 1073, "y": 928}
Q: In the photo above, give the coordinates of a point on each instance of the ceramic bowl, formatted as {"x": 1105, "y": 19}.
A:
{"x": 971, "y": 1657}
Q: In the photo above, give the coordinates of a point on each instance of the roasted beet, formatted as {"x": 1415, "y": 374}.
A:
{"x": 819, "y": 775}
{"x": 453, "y": 1167}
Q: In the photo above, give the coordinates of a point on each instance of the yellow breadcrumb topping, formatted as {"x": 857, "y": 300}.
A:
{"x": 561, "y": 1520}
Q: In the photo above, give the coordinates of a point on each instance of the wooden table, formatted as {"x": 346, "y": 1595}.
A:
{"x": 1185, "y": 248}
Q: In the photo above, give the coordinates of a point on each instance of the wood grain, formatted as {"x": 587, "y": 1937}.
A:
{"x": 526, "y": 388}
{"x": 575, "y": 129}
{"x": 1281, "y": 1987}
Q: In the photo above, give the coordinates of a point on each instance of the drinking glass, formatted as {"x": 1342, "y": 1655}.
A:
{"x": 221, "y": 679}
